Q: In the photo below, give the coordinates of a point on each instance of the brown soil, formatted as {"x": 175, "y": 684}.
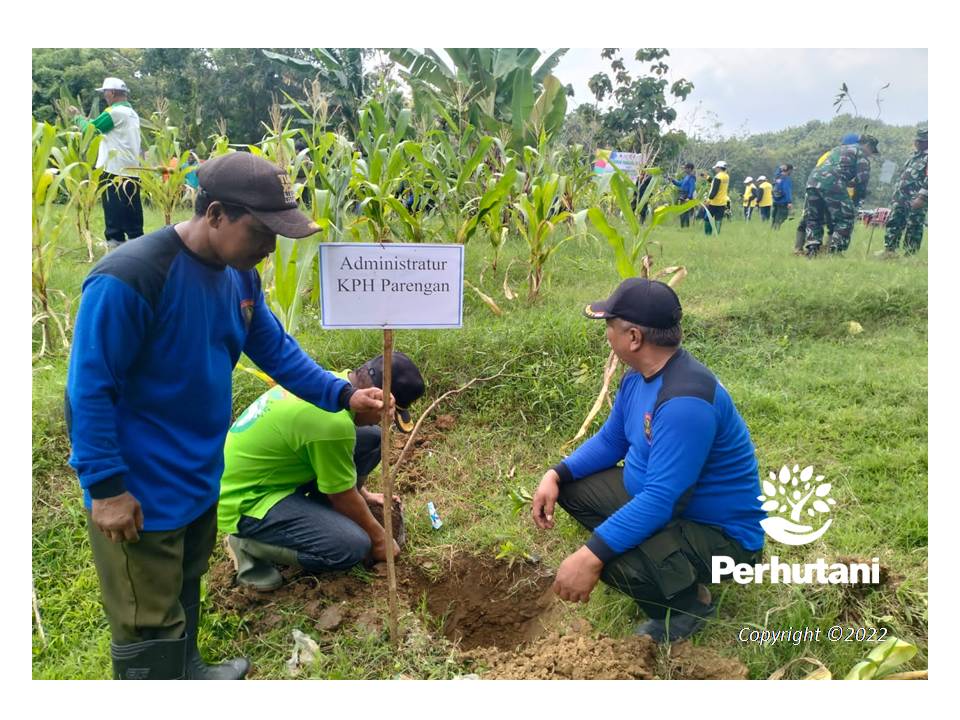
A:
{"x": 504, "y": 618}
{"x": 578, "y": 656}
{"x": 302, "y": 596}
{"x": 888, "y": 579}
{"x": 410, "y": 478}
{"x": 399, "y": 531}
{"x": 480, "y": 602}
{"x": 446, "y": 423}
{"x": 486, "y": 603}
{"x": 572, "y": 657}
{"x": 688, "y": 662}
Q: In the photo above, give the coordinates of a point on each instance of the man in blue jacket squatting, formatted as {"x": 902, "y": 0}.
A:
{"x": 687, "y": 489}
{"x": 161, "y": 324}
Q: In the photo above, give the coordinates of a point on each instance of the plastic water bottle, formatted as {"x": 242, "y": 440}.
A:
{"x": 435, "y": 520}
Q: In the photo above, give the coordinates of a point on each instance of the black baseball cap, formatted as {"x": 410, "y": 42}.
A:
{"x": 870, "y": 140}
{"x": 260, "y": 187}
{"x": 406, "y": 385}
{"x": 641, "y": 301}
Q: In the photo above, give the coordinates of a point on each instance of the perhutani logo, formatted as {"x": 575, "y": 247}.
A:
{"x": 791, "y": 492}
{"x": 820, "y": 572}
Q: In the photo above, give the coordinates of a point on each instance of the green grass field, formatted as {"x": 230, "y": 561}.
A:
{"x": 772, "y": 326}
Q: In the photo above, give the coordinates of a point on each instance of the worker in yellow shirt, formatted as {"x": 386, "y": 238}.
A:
{"x": 750, "y": 196}
{"x": 718, "y": 197}
{"x": 766, "y": 197}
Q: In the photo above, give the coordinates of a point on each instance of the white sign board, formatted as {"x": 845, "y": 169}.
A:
{"x": 887, "y": 170}
{"x": 395, "y": 285}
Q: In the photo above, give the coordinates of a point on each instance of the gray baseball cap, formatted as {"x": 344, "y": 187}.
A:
{"x": 260, "y": 187}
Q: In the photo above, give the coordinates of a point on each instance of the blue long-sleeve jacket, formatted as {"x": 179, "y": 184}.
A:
{"x": 148, "y": 399}
{"x": 686, "y": 451}
{"x": 687, "y": 185}
{"x": 784, "y": 183}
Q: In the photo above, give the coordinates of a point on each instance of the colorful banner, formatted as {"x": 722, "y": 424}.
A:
{"x": 606, "y": 160}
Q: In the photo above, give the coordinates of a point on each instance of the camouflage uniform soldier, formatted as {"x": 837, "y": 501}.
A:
{"x": 909, "y": 204}
{"x": 827, "y": 197}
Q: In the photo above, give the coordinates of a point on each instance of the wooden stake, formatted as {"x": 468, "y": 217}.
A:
{"x": 36, "y": 614}
{"x": 386, "y": 424}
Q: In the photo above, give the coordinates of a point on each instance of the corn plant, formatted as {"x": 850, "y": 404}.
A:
{"x": 883, "y": 660}
{"x": 47, "y": 228}
{"x": 289, "y": 270}
{"x": 490, "y": 207}
{"x": 220, "y": 141}
{"x": 77, "y": 150}
{"x": 381, "y": 174}
{"x": 537, "y": 216}
{"x": 465, "y": 161}
{"x": 166, "y": 165}
{"x": 574, "y": 162}
{"x": 279, "y": 143}
{"x": 631, "y": 245}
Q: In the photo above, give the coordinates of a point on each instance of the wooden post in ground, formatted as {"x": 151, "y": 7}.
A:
{"x": 386, "y": 425}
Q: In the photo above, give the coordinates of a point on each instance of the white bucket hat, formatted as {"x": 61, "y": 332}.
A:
{"x": 747, "y": 179}
{"x": 720, "y": 164}
{"x": 761, "y": 177}
{"x": 112, "y": 83}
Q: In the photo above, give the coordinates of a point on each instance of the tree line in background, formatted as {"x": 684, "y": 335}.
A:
{"x": 508, "y": 93}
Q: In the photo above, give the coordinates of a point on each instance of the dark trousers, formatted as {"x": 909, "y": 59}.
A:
{"x": 661, "y": 573}
{"x": 306, "y": 522}
{"x": 122, "y": 209}
{"x": 141, "y": 582}
{"x": 765, "y": 213}
{"x": 685, "y": 218}
{"x": 779, "y": 215}
{"x": 717, "y": 212}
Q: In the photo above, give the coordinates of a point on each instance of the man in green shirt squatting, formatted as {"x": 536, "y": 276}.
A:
{"x": 292, "y": 488}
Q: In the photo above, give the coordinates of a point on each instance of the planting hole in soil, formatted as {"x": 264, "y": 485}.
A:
{"x": 485, "y": 603}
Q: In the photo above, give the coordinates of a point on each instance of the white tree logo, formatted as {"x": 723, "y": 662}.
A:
{"x": 791, "y": 491}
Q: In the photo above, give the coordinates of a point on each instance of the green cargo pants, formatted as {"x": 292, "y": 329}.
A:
{"x": 906, "y": 221}
{"x": 140, "y": 582}
{"x": 663, "y": 571}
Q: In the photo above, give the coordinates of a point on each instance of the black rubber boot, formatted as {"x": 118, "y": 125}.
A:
{"x": 149, "y": 660}
{"x": 679, "y": 625}
{"x": 194, "y": 666}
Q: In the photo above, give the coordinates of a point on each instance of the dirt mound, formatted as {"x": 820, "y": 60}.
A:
{"x": 572, "y": 657}
{"x": 484, "y": 603}
{"x": 578, "y": 656}
{"x": 689, "y": 662}
{"x": 302, "y": 595}
{"x": 446, "y": 422}
{"x": 887, "y": 578}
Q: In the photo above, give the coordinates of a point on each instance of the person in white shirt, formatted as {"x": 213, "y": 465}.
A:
{"x": 119, "y": 156}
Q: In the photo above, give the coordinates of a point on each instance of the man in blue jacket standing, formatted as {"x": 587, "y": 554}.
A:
{"x": 162, "y": 323}
{"x": 688, "y": 487}
{"x": 688, "y": 188}
{"x": 782, "y": 195}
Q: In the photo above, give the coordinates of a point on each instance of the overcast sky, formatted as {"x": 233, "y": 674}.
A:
{"x": 759, "y": 90}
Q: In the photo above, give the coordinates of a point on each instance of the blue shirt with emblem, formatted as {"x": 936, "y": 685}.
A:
{"x": 149, "y": 387}
{"x": 687, "y": 454}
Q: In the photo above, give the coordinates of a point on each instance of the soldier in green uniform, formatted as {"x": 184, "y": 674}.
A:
{"x": 827, "y": 197}
{"x": 909, "y": 204}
